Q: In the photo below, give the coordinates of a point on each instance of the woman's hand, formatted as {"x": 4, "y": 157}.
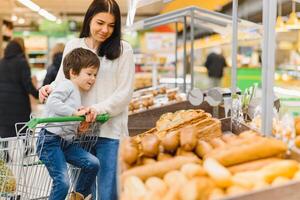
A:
{"x": 82, "y": 111}
{"x": 44, "y": 93}
{"x": 91, "y": 115}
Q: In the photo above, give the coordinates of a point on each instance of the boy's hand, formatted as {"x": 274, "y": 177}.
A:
{"x": 83, "y": 127}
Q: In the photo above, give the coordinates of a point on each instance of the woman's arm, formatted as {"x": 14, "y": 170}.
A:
{"x": 119, "y": 100}
{"x": 26, "y": 79}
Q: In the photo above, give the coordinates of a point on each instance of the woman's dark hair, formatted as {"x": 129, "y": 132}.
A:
{"x": 111, "y": 48}
{"x": 78, "y": 59}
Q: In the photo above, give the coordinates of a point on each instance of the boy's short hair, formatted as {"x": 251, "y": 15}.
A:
{"x": 78, "y": 59}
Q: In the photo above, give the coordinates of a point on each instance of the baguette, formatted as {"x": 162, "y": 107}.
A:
{"x": 248, "y": 150}
{"x": 159, "y": 168}
{"x": 252, "y": 165}
{"x": 284, "y": 168}
{"x": 229, "y": 137}
{"x": 217, "y": 142}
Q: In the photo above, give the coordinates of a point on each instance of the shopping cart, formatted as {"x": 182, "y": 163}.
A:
{"x": 22, "y": 174}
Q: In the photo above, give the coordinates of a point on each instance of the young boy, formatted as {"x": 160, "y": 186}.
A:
{"x": 55, "y": 148}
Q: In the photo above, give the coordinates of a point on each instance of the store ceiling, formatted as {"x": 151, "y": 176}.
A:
{"x": 74, "y": 9}
{"x": 70, "y": 9}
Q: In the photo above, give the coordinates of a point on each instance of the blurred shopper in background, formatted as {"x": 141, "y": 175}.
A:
{"x": 112, "y": 92}
{"x": 215, "y": 64}
{"x": 15, "y": 85}
{"x": 56, "y": 58}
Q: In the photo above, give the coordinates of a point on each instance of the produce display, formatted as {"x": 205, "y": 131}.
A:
{"x": 154, "y": 97}
{"x": 142, "y": 80}
{"x": 7, "y": 179}
{"x": 187, "y": 157}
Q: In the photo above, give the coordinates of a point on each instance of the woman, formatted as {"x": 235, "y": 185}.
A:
{"x": 15, "y": 86}
{"x": 101, "y": 33}
{"x": 56, "y": 57}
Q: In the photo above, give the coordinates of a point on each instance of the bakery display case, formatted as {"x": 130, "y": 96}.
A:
{"x": 189, "y": 154}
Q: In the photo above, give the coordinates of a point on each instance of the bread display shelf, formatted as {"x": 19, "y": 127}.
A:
{"x": 286, "y": 191}
{"x": 146, "y": 120}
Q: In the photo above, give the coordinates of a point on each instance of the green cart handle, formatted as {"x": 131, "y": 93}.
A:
{"x": 35, "y": 121}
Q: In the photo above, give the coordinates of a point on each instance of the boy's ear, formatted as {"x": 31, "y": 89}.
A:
{"x": 72, "y": 73}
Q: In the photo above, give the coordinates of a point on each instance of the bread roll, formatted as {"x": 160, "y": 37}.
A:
{"x": 197, "y": 188}
{"x": 175, "y": 177}
{"x": 159, "y": 168}
{"x": 150, "y": 145}
{"x": 163, "y": 156}
{"x": 156, "y": 185}
{"x": 188, "y": 138}
{"x": 217, "y": 172}
{"x": 134, "y": 188}
{"x": 171, "y": 141}
{"x": 129, "y": 151}
{"x": 192, "y": 170}
{"x": 203, "y": 148}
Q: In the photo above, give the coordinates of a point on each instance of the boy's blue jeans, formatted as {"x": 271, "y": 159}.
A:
{"x": 55, "y": 152}
{"x": 106, "y": 150}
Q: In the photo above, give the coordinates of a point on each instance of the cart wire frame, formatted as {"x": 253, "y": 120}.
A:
{"x": 22, "y": 174}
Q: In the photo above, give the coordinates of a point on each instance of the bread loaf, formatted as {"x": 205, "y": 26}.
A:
{"x": 248, "y": 150}
{"x": 252, "y": 165}
{"x": 159, "y": 168}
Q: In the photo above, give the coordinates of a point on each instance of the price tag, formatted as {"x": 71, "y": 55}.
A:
{"x": 214, "y": 97}
{"x": 195, "y": 97}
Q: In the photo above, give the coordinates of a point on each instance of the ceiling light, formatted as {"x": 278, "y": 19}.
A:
{"x": 29, "y": 4}
{"x": 14, "y": 18}
{"x": 34, "y": 7}
{"x": 21, "y": 21}
{"x": 47, "y": 15}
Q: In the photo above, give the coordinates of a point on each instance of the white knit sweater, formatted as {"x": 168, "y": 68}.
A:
{"x": 112, "y": 91}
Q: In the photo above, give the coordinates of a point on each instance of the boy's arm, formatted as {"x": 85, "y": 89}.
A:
{"x": 56, "y": 101}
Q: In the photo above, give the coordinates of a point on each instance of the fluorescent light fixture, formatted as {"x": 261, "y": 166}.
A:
{"x": 29, "y": 4}
{"x": 34, "y": 7}
{"x": 47, "y": 15}
{"x": 21, "y": 21}
{"x": 14, "y": 18}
